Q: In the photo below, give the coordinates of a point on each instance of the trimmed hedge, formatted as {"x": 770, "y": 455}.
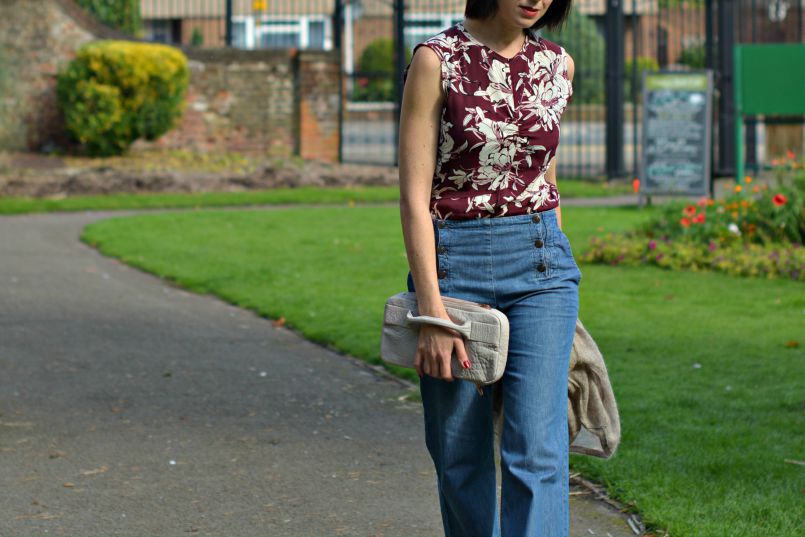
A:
{"x": 115, "y": 92}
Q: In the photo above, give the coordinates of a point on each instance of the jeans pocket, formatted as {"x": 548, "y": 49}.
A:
{"x": 565, "y": 250}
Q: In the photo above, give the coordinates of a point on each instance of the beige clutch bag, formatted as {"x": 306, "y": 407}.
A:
{"x": 485, "y": 331}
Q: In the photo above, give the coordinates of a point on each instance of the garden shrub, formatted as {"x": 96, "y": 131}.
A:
{"x": 756, "y": 230}
{"x": 115, "y": 92}
{"x": 693, "y": 56}
{"x": 121, "y": 14}
{"x": 644, "y": 63}
{"x": 738, "y": 259}
{"x": 375, "y": 82}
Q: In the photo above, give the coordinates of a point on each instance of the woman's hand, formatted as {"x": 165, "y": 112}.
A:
{"x": 434, "y": 352}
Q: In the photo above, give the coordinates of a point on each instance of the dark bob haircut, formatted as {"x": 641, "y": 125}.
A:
{"x": 553, "y": 19}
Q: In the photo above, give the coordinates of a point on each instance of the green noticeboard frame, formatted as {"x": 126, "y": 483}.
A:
{"x": 769, "y": 80}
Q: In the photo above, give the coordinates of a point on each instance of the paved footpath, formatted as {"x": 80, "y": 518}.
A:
{"x": 129, "y": 407}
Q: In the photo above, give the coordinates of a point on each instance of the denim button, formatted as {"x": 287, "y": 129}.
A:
{"x": 442, "y": 274}
{"x": 535, "y": 218}
{"x": 538, "y": 243}
{"x": 541, "y": 267}
{"x": 441, "y": 223}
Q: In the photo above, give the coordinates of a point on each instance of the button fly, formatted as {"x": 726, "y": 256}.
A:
{"x": 536, "y": 218}
{"x": 538, "y": 243}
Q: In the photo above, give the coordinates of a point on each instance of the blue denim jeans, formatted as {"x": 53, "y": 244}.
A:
{"x": 523, "y": 265}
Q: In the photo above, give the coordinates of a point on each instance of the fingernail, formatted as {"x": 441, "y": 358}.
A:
{"x": 467, "y": 364}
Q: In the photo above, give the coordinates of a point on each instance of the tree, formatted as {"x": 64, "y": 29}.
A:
{"x": 582, "y": 41}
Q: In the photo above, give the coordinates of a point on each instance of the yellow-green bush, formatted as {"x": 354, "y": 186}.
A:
{"x": 115, "y": 92}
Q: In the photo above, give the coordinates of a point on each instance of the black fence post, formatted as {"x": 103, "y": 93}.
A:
{"x": 614, "y": 89}
{"x": 399, "y": 67}
{"x": 726, "y": 103}
{"x": 228, "y": 24}
{"x": 708, "y": 34}
{"x": 338, "y": 17}
{"x": 338, "y": 29}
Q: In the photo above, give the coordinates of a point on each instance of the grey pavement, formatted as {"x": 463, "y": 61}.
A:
{"x": 129, "y": 407}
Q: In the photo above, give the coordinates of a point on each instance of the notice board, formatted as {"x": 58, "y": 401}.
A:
{"x": 677, "y": 132}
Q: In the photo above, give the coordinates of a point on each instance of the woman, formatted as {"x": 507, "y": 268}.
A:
{"x": 479, "y": 206}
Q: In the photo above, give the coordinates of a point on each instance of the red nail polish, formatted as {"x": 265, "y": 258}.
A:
{"x": 467, "y": 364}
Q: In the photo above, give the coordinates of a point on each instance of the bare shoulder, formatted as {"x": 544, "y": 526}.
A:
{"x": 426, "y": 62}
{"x": 571, "y": 66}
{"x": 423, "y": 76}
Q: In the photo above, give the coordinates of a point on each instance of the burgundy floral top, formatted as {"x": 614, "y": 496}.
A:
{"x": 499, "y": 126}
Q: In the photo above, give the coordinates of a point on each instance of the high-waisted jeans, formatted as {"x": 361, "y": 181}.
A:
{"x": 523, "y": 265}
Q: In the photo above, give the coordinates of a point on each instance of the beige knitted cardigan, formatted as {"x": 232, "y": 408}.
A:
{"x": 592, "y": 414}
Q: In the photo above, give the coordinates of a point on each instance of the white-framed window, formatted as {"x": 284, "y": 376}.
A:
{"x": 420, "y": 26}
{"x": 265, "y": 31}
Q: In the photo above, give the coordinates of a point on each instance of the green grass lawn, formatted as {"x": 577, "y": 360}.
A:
{"x": 569, "y": 188}
{"x": 710, "y": 397}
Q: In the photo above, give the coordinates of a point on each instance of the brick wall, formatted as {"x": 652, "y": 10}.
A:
{"x": 262, "y": 101}
{"x": 37, "y": 38}
{"x": 319, "y": 75}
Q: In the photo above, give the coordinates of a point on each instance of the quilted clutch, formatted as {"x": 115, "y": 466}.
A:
{"x": 485, "y": 331}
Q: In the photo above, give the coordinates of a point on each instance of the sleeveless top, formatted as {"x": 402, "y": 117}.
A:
{"x": 499, "y": 126}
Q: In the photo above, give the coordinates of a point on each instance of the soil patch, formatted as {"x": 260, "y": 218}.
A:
{"x": 44, "y": 176}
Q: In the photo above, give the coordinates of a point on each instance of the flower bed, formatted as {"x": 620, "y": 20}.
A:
{"x": 756, "y": 230}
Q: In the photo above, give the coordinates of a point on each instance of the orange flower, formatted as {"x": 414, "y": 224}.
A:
{"x": 635, "y": 184}
{"x": 685, "y": 222}
{"x": 699, "y": 218}
{"x": 711, "y": 202}
{"x": 755, "y": 189}
{"x": 751, "y": 228}
{"x": 689, "y": 210}
{"x": 735, "y": 214}
{"x": 738, "y": 188}
{"x": 790, "y": 154}
{"x": 779, "y": 200}
{"x": 744, "y": 203}
{"x": 747, "y": 179}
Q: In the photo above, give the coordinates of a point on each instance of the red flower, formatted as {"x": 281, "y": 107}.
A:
{"x": 699, "y": 218}
{"x": 790, "y": 154}
{"x": 685, "y": 222}
{"x": 779, "y": 200}
{"x": 690, "y": 210}
{"x": 636, "y": 185}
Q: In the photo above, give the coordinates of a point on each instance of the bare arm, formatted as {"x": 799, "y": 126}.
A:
{"x": 420, "y": 117}
{"x": 550, "y": 174}
{"x": 419, "y": 134}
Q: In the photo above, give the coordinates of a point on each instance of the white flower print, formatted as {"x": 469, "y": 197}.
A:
{"x": 549, "y": 97}
{"x": 535, "y": 194}
{"x": 547, "y": 103}
{"x": 499, "y": 88}
{"x": 446, "y": 143}
{"x": 493, "y": 154}
{"x": 480, "y": 201}
{"x": 452, "y": 71}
